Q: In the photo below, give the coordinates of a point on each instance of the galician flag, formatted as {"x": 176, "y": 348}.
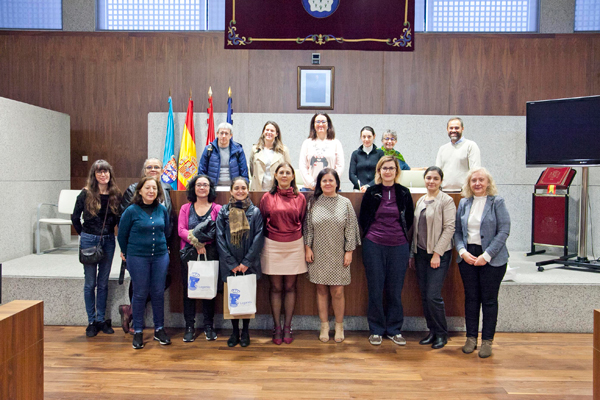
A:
{"x": 169, "y": 172}
{"x": 188, "y": 165}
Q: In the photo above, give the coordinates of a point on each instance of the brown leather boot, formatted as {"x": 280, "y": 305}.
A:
{"x": 486, "y": 349}
{"x": 470, "y": 345}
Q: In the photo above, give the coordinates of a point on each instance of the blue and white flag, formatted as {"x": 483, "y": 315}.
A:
{"x": 169, "y": 172}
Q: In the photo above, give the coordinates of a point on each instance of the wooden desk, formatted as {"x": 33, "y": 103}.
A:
{"x": 596, "y": 369}
{"x": 22, "y": 350}
{"x": 356, "y": 292}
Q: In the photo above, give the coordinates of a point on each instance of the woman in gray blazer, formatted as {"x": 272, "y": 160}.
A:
{"x": 482, "y": 227}
{"x": 431, "y": 248}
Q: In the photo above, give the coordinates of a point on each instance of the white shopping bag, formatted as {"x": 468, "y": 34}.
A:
{"x": 241, "y": 294}
{"x": 202, "y": 279}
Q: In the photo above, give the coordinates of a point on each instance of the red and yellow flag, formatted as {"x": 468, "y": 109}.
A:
{"x": 188, "y": 164}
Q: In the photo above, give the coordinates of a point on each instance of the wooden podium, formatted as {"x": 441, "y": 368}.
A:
{"x": 22, "y": 350}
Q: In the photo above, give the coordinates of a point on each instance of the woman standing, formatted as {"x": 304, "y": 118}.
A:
{"x": 386, "y": 216}
{"x": 266, "y": 155}
{"x": 99, "y": 204}
{"x": 435, "y": 214}
{"x": 321, "y": 150}
{"x": 143, "y": 242}
{"x": 389, "y": 140}
{"x": 239, "y": 241}
{"x": 482, "y": 227}
{"x": 200, "y": 212}
{"x": 282, "y": 258}
{"x": 330, "y": 236}
{"x": 364, "y": 160}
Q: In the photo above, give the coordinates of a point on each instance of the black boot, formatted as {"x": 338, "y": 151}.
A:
{"x": 428, "y": 339}
{"x": 439, "y": 341}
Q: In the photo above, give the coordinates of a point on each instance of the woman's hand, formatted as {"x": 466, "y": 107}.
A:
{"x": 411, "y": 263}
{"x": 308, "y": 254}
{"x": 201, "y": 250}
{"x": 240, "y": 268}
{"x": 363, "y": 188}
{"x": 123, "y": 257}
{"x": 480, "y": 261}
{"x": 347, "y": 259}
{"x": 435, "y": 260}
{"x": 468, "y": 258}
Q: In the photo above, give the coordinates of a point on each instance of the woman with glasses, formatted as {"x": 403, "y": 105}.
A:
{"x": 386, "y": 216}
{"x": 364, "y": 160}
{"x": 198, "y": 216}
{"x": 321, "y": 150}
{"x": 389, "y": 140}
{"x": 99, "y": 203}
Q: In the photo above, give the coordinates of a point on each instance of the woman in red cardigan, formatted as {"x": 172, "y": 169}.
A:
{"x": 199, "y": 211}
{"x": 282, "y": 258}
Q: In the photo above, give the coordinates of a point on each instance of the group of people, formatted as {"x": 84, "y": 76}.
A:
{"x": 286, "y": 235}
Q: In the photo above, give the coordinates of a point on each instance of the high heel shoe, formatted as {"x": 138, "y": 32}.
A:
{"x": 339, "y": 332}
{"x": 324, "y": 334}
{"x": 277, "y": 335}
{"x": 287, "y": 331}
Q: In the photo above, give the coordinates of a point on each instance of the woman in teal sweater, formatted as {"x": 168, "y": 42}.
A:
{"x": 142, "y": 238}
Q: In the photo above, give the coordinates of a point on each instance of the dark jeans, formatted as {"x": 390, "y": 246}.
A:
{"x": 431, "y": 282}
{"x": 189, "y": 305}
{"x": 482, "y": 285}
{"x": 148, "y": 275}
{"x": 95, "y": 286}
{"x": 385, "y": 267}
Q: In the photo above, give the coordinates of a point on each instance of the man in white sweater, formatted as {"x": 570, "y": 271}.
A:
{"x": 457, "y": 157}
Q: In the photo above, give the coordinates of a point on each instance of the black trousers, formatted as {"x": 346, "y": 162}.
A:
{"x": 189, "y": 305}
{"x": 482, "y": 285}
{"x": 431, "y": 282}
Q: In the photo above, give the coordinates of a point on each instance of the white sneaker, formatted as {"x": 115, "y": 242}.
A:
{"x": 375, "y": 340}
{"x": 398, "y": 339}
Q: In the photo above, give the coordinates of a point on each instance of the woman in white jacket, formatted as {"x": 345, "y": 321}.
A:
{"x": 266, "y": 156}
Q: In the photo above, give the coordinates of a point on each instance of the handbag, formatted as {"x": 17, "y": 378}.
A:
{"x": 241, "y": 294}
{"x": 202, "y": 279}
{"x": 94, "y": 254}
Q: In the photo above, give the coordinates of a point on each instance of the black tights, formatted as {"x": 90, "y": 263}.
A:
{"x": 236, "y": 326}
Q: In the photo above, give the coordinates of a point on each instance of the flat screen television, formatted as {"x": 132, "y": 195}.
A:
{"x": 563, "y": 132}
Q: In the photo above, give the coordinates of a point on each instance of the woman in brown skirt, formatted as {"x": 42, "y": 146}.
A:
{"x": 283, "y": 210}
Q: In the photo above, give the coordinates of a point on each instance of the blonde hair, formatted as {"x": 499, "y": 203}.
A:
{"x": 380, "y": 163}
{"x": 491, "y": 189}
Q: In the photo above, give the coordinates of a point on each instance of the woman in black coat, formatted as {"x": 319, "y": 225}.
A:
{"x": 239, "y": 242}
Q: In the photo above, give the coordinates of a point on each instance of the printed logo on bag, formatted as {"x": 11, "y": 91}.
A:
{"x": 193, "y": 281}
{"x": 234, "y": 296}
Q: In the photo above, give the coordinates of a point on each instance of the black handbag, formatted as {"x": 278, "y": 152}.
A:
{"x": 94, "y": 254}
{"x": 205, "y": 231}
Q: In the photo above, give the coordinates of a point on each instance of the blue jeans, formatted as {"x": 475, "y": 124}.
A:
{"x": 148, "y": 275}
{"x": 95, "y": 287}
{"x": 385, "y": 267}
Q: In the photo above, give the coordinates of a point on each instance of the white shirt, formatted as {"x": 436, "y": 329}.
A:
{"x": 474, "y": 225}
{"x": 267, "y": 182}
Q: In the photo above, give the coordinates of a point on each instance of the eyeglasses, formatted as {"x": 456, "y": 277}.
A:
{"x": 389, "y": 139}
{"x": 202, "y": 185}
{"x": 151, "y": 167}
{"x": 388, "y": 169}
{"x": 320, "y": 122}
{"x": 103, "y": 172}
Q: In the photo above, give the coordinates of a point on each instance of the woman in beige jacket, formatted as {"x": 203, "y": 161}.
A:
{"x": 435, "y": 215}
{"x": 266, "y": 156}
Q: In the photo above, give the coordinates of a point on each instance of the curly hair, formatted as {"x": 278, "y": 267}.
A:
{"x": 492, "y": 190}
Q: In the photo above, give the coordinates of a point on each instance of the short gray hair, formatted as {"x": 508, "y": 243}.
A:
{"x": 391, "y": 133}
{"x": 225, "y": 125}
{"x": 146, "y": 163}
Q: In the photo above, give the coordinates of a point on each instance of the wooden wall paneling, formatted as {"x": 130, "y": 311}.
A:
{"x": 571, "y": 61}
{"x": 594, "y": 76}
{"x": 468, "y": 69}
{"x": 418, "y": 82}
{"x": 273, "y": 80}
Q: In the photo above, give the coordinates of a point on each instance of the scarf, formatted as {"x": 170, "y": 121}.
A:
{"x": 394, "y": 153}
{"x": 238, "y": 223}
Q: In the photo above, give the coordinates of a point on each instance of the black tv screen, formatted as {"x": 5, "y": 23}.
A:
{"x": 563, "y": 132}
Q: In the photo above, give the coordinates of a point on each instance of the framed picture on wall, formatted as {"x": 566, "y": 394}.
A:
{"x": 315, "y": 88}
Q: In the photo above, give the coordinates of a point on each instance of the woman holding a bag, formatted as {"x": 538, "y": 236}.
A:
{"x": 198, "y": 216}
{"x": 282, "y": 258}
{"x": 239, "y": 241}
{"x": 99, "y": 204}
{"x": 142, "y": 238}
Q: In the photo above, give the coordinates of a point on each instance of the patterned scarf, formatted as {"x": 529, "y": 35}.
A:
{"x": 238, "y": 223}
{"x": 394, "y": 153}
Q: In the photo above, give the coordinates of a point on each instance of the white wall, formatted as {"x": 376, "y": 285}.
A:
{"x": 34, "y": 167}
{"x": 501, "y": 140}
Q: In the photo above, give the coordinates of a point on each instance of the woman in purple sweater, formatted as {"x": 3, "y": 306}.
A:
{"x": 201, "y": 210}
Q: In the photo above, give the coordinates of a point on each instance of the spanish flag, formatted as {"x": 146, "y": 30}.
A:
{"x": 188, "y": 164}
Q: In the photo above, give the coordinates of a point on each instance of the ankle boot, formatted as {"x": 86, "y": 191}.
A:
{"x": 486, "y": 349}
{"x": 470, "y": 345}
{"x": 428, "y": 339}
{"x": 439, "y": 341}
{"x": 324, "y": 334}
{"x": 339, "y": 332}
